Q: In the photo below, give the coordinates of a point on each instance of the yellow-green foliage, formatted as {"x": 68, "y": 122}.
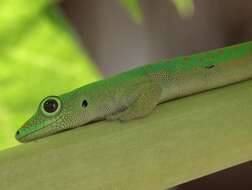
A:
{"x": 185, "y": 8}
{"x": 133, "y": 7}
{"x": 39, "y": 57}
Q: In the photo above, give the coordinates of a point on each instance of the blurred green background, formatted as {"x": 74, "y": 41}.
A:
{"x": 41, "y": 55}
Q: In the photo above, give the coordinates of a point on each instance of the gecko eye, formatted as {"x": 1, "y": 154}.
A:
{"x": 50, "y": 106}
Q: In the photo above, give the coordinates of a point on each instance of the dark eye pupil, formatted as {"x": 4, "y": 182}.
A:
{"x": 50, "y": 106}
{"x": 84, "y": 103}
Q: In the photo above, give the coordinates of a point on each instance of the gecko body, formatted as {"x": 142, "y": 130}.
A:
{"x": 135, "y": 93}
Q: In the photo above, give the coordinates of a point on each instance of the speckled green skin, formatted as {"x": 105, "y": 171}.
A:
{"x": 135, "y": 93}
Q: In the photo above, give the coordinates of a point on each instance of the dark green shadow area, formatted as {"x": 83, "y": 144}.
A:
{"x": 182, "y": 140}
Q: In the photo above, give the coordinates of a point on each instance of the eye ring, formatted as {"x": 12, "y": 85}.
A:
{"x": 50, "y": 106}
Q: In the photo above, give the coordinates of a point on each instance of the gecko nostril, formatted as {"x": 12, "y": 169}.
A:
{"x": 84, "y": 103}
{"x": 18, "y": 132}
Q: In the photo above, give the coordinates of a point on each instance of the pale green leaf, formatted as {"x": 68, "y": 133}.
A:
{"x": 182, "y": 140}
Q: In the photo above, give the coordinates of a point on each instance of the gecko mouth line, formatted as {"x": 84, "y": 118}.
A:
{"x": 41, "y": 128}
{"x": 59, "y": 128}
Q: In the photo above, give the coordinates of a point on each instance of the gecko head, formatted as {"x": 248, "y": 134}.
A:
{"x": 43, "y": 122}
{"x": 58, "y": 113}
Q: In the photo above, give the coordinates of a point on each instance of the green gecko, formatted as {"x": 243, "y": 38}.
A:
{"x": 135, "y": 93}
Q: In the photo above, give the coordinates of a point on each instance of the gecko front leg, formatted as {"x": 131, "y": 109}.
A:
{"x": 147, "y": 100}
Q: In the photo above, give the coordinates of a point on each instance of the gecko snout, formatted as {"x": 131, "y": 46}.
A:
{"x": 21, "y": 132}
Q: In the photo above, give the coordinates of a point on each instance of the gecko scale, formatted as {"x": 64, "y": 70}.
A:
{"x": 135, "y": 93}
